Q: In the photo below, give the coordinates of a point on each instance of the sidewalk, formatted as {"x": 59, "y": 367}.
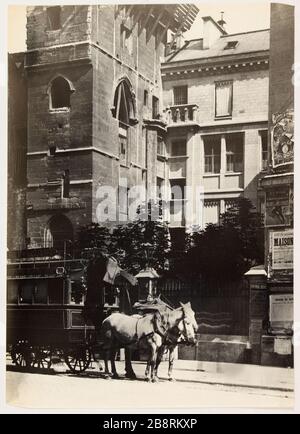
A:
{"x": 231, "y": 374}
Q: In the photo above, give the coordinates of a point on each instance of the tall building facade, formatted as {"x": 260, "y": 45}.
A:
{"x": 278, "y": 186}
{"x": 16, "y": 164}
{"x": 216, "y": 92}
{"x": 94, "y": 110}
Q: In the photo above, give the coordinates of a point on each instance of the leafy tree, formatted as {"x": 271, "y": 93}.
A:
{"x": 226, "y": 251}
{"x": 143, "y": 242}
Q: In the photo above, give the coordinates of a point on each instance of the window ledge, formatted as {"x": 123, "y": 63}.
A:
{"x": 60, "y": 110}
{"x": 220, "y": 118}
{"x": 211, "y": 175}
{"x": 233, "y": 173}
{"x": 126, "y": 166}
{"x": 162, "y": 157}
{"x": 177, "y": 156}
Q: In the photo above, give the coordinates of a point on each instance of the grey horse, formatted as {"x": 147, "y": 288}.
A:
{"x": 149, "y": 332}
{"x": 183, "y": 332}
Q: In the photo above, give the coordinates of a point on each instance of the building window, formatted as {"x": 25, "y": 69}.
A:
{"x": 230, "y": 45}
{"x": 65, "y": 193}
{"x": 223, "y": 98}
{"x": 60, "y": 93}
{"x": 126, "y": 39}
{"x": 178, "y": 148}
{"x": 124, "y": 111}
{"x": 124, "y": 105}
{"x": 212, "y": 154}
{"x": 146, "y": 98}
{"x": 123, "y": 143}
{"x": 211, "y": 212}
{"x": 180, "y": 95}
{"x": 159, "y": 187}
{"x": 160, "y": 147}
{"x": 234, "y": 152}
{"x": 123, "y": 200}
{"x": 155, "y": 107}
{"x": 52, "y": 151}
{"x": 264, "y": 149}
{"x": 177, "y": 189}
{"x": 54, "y": 17}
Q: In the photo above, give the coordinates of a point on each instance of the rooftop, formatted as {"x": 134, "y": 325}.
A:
{"x": 243, "y": 43}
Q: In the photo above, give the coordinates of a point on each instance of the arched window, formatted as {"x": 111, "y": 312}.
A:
{"x": 59, "y": 233}
{"x": 60, "y": 92}
{"x": 124, "y": 104}
{"x": 124, "y": 111}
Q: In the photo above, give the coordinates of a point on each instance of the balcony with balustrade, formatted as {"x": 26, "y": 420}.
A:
{"x": 182, "y": 115}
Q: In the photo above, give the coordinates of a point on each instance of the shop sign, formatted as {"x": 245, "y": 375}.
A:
{"x": 282, "y": 249}
{"x": 282, "y": 310}
{"x": 282, "y": 138}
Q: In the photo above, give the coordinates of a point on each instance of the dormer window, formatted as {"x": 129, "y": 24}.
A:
{"x": 230, "y": 45}
{"x": 53, "y": 17}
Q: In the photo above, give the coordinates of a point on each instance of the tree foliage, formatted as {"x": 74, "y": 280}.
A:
{"x": 135, "y": 245}
{"x": 226, "y": 251}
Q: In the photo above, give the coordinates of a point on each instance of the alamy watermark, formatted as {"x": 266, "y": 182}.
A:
{"x": 177, "y": 204}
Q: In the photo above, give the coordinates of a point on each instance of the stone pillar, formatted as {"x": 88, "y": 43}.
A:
{"x": 258, "y": 310}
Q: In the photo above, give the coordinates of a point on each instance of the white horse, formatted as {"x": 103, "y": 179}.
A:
{"x": 150, "y": 332}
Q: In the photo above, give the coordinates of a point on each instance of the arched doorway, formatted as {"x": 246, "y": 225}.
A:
{"x": 59, "y": 233}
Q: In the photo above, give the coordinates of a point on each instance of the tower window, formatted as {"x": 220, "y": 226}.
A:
{"x": 52, "y": 151}
{"x": 66, "y": 184}
{"x": 123, "y": 103}
{"x": 53, "y": 15}
{"x": 178, "y": 148}
{"x": 60, "y": 93}
{"x": 155, "y": 107}
{"x": 145, "y": 98}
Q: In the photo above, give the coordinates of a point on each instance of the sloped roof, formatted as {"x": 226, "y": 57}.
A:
{"x": 248, "y": 42}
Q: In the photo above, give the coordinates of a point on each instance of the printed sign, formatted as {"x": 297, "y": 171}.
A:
{"x": 283, "y": 346}
{"x": 282, "y": 248}
{"x": 278, "y": 206}
{"x": 282, "y": 138}
{"x": 282, "y": 310}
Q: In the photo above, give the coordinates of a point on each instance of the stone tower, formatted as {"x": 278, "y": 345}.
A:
{"x": 94, "y": 104}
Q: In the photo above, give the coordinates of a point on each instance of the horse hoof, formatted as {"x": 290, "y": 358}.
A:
{"x": 107, "y": 377}
{"x": 115, "y": 376}
{"x": 130, "y": 375}
{"x": 147, "y": 379}
{"x": 155, "y": 380}
{"x": 172, "y": 379}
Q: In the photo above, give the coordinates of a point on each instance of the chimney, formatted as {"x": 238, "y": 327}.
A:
{"x": 222, "y": 22}
{"x": 211, "y": 31}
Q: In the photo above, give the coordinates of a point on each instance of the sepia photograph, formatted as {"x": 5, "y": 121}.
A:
{"x": 150, "y": 207}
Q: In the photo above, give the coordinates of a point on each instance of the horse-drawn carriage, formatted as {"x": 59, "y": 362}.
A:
{"x": 47, "y": 316}
{"x": 60, "y": 309}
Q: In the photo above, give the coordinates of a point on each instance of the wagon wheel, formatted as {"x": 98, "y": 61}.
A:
{"x": 21, "y": 354}
{"x": 78, "y": 359}
{"x": 42, "y": 358}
